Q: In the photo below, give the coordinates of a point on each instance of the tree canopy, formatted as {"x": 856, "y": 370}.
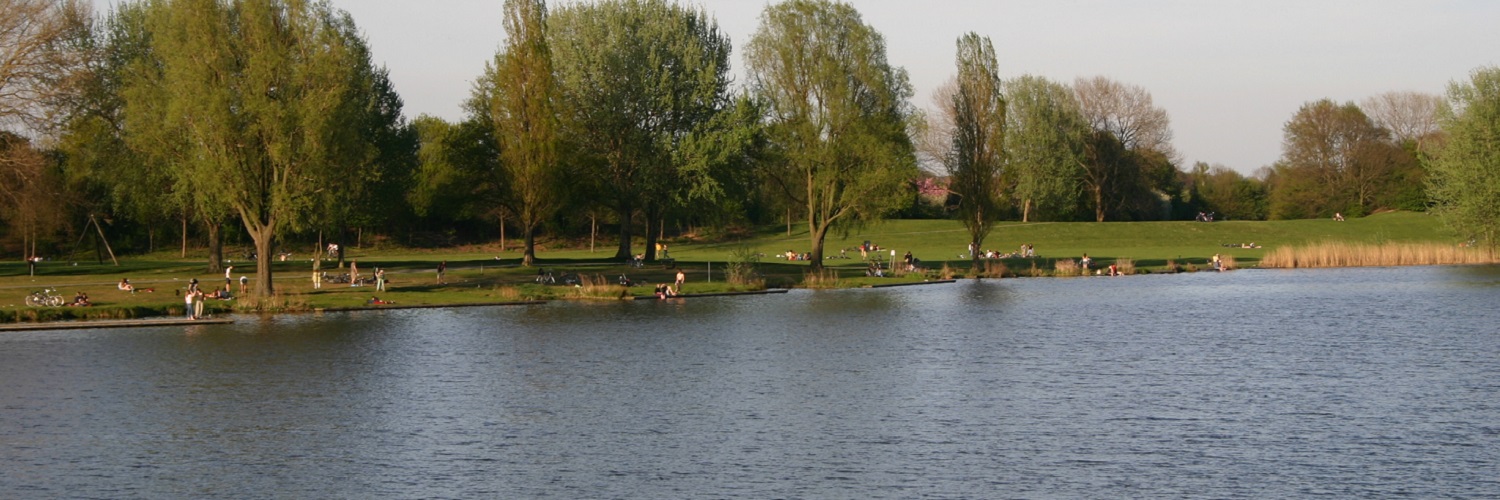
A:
{"x": 253, "y": 99}
{"x": 1464, "y": 170}
{"x": 837, "y": 111}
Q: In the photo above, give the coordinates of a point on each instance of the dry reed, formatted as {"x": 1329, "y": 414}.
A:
{"x": 1334, "y": 254}
{"x": 825, "y": 278}
{"x": 1066, "y": 267}
{"x": 990, "y": 269}
{"x": 597, "y": 287}
{"x": 273, "y": 304}
{"x": 1125, "y": 266}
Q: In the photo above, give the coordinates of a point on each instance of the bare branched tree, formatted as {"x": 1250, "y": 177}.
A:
{"x": 1409, "y": 116}
{"x": 39, "y": 56}
{"x": 935, "y": 136}
{"x": 1125, "y": 111}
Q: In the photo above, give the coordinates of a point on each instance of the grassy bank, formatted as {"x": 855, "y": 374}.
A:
{"x": 489, "y": 275}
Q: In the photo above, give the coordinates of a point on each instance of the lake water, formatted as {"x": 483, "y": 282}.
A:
{"x": 1349, "y": 383}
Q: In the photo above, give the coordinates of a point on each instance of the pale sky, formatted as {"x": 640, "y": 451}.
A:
{"x": 1229, "y": 73}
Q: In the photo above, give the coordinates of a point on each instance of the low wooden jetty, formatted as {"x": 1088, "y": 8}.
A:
{"x": 914, "y": 283}
{"x": 717, "y": 294}
{"x": 110, "y": 323}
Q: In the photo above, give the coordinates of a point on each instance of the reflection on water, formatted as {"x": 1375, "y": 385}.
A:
{"x": 1344, "y": 383}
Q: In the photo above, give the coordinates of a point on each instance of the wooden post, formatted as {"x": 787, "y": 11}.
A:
{"x": 105, "y": 240}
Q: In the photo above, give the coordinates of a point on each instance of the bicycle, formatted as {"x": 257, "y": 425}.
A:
{"x": 44, "y": 298}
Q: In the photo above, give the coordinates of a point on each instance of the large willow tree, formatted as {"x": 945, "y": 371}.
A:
{"x": 260, "y": 93}
{"x": 1044, "y": 147}
{"x": 637, "y": 78}
{"x": 838, "y": 114}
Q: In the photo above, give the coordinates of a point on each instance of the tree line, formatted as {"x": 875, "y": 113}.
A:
{"x": 267, "y": 121}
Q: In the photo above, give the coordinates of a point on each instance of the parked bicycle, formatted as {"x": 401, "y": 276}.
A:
{"x": 44, "y": 298}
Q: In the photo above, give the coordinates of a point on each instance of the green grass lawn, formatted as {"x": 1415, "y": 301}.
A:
{"x": 477, "y": 276}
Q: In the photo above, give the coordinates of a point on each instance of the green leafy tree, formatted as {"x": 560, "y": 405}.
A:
{"x": 519, "y": 89}
{"x": 1463, "y": 171}
{"x": 637, "y": 78}
{"x": 838, "y": 114}
{"x": 1334, "y": 159}
{"x": 260, "y": 91}
{"x": 976, "y": 154}
{"x": 1044, "y": 147}
{"x": 1228, "y": 194}
{"x": 371, "y": 154}
{"x": 452, "y": 162}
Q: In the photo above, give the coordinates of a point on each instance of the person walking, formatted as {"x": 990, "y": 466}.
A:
{"x": 442, "y": 267}
{"x": 317, "y": 274}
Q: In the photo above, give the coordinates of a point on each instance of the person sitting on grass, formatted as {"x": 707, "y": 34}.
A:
{"x": 81, "y": 300}
{"x": 125, "y": 285}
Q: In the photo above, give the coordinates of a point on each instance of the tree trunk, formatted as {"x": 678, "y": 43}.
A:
{"x": 528, "y": 257}
{"x": 184, "y": 236}
{"x": 215, "y": 247}
{"x": 1026, "y": 210}
{"x": 263, "y": 248}
{"x": 651, "y": 217}
{"x": 815, "y": 258}
{"x": 625, "y": 211}
{"x": 1099, "y": 203}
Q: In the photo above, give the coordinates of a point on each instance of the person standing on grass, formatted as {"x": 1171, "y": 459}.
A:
{"x": 353, "y": 273}
{"x": 379, "y": 279}
{"x": 188, "y": 303}
{"x": 317, "y": 275}
{"x": 198, "y": 303}
{"x": 227, "y": 280}
{"x": 442, "y": 267}
{"x": 681, "y": 278}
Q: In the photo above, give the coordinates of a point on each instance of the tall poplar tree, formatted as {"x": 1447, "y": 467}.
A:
{"x": 519, "y": 91}
{"x": 977, "y": 152}
{"x": 838, "y": 114}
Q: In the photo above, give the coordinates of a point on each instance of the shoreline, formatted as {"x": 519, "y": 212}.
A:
{"x": 170, "y": 320}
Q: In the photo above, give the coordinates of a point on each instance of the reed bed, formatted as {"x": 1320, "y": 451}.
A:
{"x": 1066, "y": 267}
{"x": 277, "y": 302}
{"x": 991, "y": 269}
{"x": 1125, "y": 266}
{"x": 1389, "y": 254}
{"x": 823, "y": 279}
{"x": 597, "y": 287}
